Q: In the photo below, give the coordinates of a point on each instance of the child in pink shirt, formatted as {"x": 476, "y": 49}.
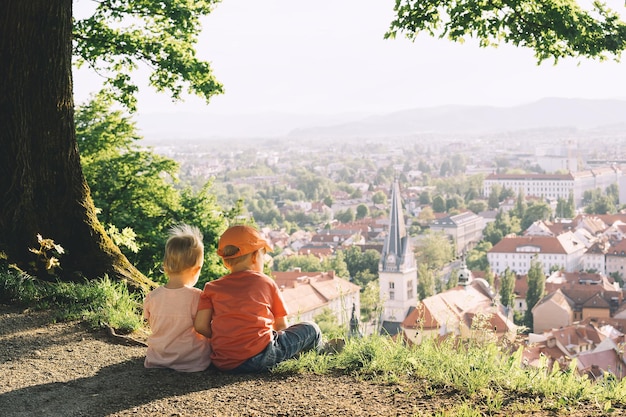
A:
{"x": 171, "y": 309}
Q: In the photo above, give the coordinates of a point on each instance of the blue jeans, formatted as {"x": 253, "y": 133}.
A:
{"x": 285, "y": 344}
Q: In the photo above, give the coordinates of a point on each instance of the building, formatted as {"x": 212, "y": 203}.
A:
{"x": 555, "y": 186}
{"x": 336, "y": 237}
{"x": 564, "y": 251}
{"x": 453, "y": 313}
{"x": 465, "y": 229}
{"x": 397, "y": 270}
{"x": 308, "y": 294}
{"x": 319, "y": 251}
{"x": 615, "y": 256}
{"x": 520, "y": 290}
{"x": 594, "y": 258}
{"x": 578, "y": 296}
{"x": 596, "y": 344}
{"x": 548, "y": 186}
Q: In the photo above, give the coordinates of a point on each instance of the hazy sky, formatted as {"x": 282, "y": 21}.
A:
{"x": 329, "y": 56}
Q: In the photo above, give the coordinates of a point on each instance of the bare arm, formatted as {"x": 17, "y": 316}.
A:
{"x": 202, "y": 322}
{"x": 280, "y": 323}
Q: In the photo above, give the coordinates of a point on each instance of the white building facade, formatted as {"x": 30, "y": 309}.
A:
{"x": 555, "y": 186}
{"x": 564, "y": 251}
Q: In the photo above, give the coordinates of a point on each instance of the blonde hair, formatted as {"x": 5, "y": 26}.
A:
{"x": 183, "y": 249}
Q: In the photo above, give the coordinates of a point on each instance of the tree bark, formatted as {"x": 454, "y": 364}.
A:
{"x": 42, "y": 187}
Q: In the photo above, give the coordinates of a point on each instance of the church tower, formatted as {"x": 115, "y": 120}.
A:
{"x": 397, "y": 269}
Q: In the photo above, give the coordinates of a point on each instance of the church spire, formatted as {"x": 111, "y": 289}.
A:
{"x": 396, "y": 245}
{"x": 397, "y": 272}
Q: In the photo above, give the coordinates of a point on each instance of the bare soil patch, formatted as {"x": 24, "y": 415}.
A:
{"x": 63, "y": 369}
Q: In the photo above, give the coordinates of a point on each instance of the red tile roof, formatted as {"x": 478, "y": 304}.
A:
{"x": 521, "y": 286}
{"x": 605, "y": 360}
{"x": 545, "y": 244}
{"x": 609, "y": 219}
{"x": 589, "y": 334}
{"x": 452, "y": 307}
{"x": 320, "y": 251}
{"x": 306, "y": 291}
{"x": 617, "y": 248}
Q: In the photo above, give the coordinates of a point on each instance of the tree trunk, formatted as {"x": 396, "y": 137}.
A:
{"x": 42, "y": 187}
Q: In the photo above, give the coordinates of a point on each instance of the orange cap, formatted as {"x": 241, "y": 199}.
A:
{"x": 246, "y": 238}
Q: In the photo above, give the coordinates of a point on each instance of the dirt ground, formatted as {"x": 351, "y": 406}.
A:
{"x": 62, "y": 369}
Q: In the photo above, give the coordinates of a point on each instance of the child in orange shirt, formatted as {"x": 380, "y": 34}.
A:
{"x": 244, "y": 313}
{"x": 171, "y": 309}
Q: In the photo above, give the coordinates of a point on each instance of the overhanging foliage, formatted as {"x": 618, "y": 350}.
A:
{"x": 122, "y": 34}
{"x": 552, "y": 28}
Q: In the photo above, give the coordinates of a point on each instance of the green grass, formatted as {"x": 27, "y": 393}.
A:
{"x": 480, "y": 379}
{"x": 485, "y": 377}
{"x": 99, "y": 303}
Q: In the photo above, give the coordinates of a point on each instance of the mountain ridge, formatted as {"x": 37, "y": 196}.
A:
{"x": 548, "y": 112}
{"x": 544, "y": 113}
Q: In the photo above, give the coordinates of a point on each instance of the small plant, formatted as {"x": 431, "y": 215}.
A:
{"x": 49, "y": 253}
{"x": 17, "y": 287}
{"x": 124, "y": 238}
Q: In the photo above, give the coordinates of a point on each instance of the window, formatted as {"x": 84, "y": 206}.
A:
{"x": 392, "y": 295}
{"x": 391, "y": 285}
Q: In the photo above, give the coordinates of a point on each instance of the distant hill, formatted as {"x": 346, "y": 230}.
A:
{"x": 545, "y": 113}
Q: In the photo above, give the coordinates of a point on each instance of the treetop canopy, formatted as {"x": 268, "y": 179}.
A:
{"x": 552, "y": 28}
{"x": 121, "y": 34}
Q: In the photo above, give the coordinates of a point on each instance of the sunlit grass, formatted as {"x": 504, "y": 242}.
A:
{"x": 99, "y": 303}
{"x": 486, "y": 376}
{"x": 116, "y": 307}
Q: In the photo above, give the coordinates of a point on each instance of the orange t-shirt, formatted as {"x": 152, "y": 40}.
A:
{"x": 244, "y": 305}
